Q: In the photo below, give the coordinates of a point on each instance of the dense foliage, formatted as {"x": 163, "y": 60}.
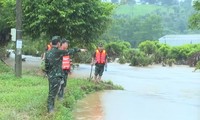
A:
{"x": 6, "y": 23}
{"x": 195, "y": 18}
{"x": 80, "y": 21}
{"x": 152, "y": 52}
{"x": 162, "y": 53}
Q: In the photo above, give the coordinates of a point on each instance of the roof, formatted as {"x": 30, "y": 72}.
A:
{"x": 177, "y": 40}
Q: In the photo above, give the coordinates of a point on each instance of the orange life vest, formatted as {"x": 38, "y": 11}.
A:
{"x": 49, "y": 47}
{"x": 100, "y": 56}
{"x": 66, "y": 63}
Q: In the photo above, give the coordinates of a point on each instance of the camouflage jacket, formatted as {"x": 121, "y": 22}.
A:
{"x": 53, "y": 61}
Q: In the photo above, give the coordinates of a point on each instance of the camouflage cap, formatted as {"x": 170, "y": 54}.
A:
{"x": 64, "y": 40}
{"x": 55, "y": 40}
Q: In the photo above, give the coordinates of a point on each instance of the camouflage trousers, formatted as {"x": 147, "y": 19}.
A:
{"x": 54, "y": 86}
{"x": 62, "y": 87}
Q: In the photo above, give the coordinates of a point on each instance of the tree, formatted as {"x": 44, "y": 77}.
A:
{"x": 153, "y": 27}
{"x": 137, "y": 29}
{"x": 194, "y": 20}
{"x": 148, "y": 47}
{"x": 79, "y": 21}
{"x": 146, "y": 28}
{"x": 164, "y": 50}
{"x": 116, "y": 49}
{"x": 7, "y": 21}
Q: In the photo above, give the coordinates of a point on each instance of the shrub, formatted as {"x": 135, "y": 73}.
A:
{"x": 122, "y": 60}
{"x": 128, "y": 54}
{"x": 82, "y": 57}
{"x": 197, "y": 66}
{"x": 115, "y": 49}
{"x": 140, "y": 59}
{"x": 170, "y": 62}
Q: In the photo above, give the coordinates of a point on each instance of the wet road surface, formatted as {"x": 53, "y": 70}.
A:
{"x": 151, "y": 93}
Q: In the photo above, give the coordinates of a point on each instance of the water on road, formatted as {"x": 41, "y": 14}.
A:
{"x": 151, "y": 93}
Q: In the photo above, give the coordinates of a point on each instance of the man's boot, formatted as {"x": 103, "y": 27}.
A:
{"x": 50, "y": 109}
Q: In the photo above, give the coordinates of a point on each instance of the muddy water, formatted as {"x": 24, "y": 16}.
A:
{"x": 151, "y": 93}
{"x": 90, "y": 108}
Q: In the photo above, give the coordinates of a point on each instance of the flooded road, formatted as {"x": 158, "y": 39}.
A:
{"x": 151, "y": 93}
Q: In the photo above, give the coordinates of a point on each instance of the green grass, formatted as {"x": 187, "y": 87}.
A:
{"x": 26, "y": 98}
{"x": 4, "y": 68}
{"x": 139, "y": 10}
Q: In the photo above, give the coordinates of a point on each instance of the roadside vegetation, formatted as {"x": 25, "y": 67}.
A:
{"x": 26, "y": 98}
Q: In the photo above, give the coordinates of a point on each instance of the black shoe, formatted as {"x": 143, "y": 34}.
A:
{"x": 51, "y": 111}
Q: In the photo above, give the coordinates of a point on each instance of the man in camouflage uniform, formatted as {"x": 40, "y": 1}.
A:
{"x": 63, "y": 46}
{"x": 53, "y": 67}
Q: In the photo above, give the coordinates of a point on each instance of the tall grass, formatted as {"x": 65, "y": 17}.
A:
{"x": 26, "y": 98}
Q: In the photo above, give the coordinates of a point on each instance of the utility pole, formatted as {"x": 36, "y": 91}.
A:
{"x": 18, "y": 51}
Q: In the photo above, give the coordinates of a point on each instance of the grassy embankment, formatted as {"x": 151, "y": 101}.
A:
{"x": 140, "y": 10}
{"x": 25, "y": 98}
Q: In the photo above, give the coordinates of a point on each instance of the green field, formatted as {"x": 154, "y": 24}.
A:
{"x": 140, "y": 10}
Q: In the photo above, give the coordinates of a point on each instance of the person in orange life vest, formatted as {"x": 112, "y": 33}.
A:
{"x": 66, "y": 66}
{"x": 49, "y": 46}
{"x": 99, "y": 58}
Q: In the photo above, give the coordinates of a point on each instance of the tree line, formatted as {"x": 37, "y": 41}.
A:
{"x": 86, "y": 22}
{"x": 163, "y": 20}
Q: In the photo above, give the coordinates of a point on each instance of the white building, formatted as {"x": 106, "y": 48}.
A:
{"x": 178, "y": 40}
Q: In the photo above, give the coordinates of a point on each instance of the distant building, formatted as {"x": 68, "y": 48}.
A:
{"x": 138, "y": 2}
{"x": 178, "y": 40}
